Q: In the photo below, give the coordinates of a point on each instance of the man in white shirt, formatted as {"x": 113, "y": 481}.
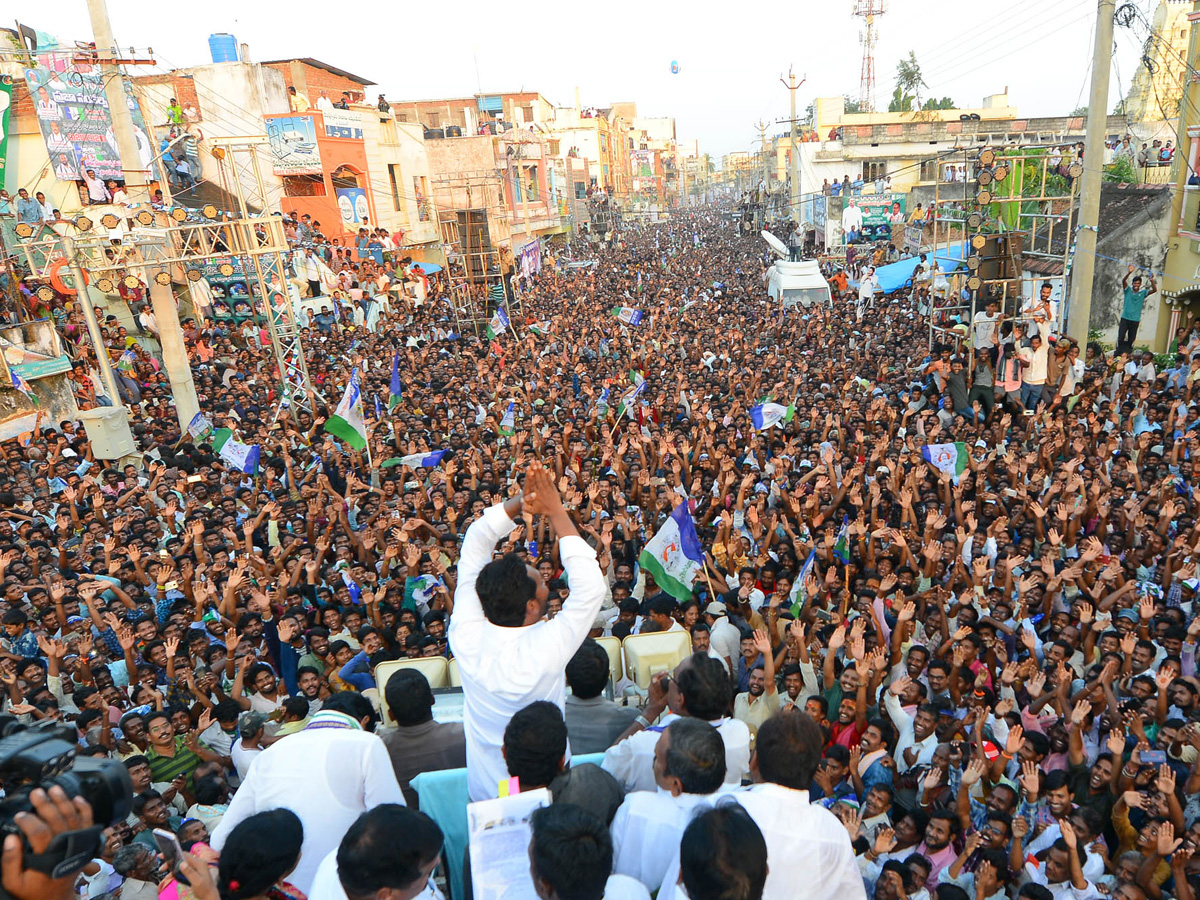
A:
{"x": 809, "y": 850}
{"x": 1062, "y": 869}
{"x": 509, "y": 655}
{"x": 1034, "y": 365}
{"x": 917, "y": 739}
{"x": 328, "y": 775}
{"x": 724, "y": 636}
{"x": 985, "y": 328}
{"x": 689, "y": 767}
{"x": 700, "y": 688}
{"x": 391, "y": 849}
{"x": 852, "y": 218}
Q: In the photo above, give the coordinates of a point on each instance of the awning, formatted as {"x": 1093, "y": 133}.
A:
{"x": 897, "y": 275}
{"x": 427, "y": 267}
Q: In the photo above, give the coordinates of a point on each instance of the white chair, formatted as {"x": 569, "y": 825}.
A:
{"x": 434, "y": 668}
{"x": 648, "y": 654}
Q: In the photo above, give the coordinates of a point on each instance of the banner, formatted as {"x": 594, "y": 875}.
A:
{"x": 530, "y": 258}
{"x": 880, "y": 212}
{"x": 72, "y": 112}
{"x": 293, "y": 141}
{"x": 341, "y": 123}
{"x": 352, "y": 202}
{"x": 5, "y": 103}
{"x": 200, "y": 428}
{"x": 912, "y": 238}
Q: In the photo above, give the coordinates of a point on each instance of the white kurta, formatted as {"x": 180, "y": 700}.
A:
{"x": 503, "y": 670}
{"x": 631, "y": 761}
{"x": 806, "y": 845}
{"x": 327, "y": 886}
{"x": 646, "y": 832}
{"x": 327, "y": 777}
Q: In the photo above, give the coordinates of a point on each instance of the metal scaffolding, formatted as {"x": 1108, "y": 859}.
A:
{"x": 1017, "y": 201}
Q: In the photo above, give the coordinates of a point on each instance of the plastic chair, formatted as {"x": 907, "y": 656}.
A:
{"x": 648, "y": 654}
{"x": 434, "y": 668}
{"x": 454, "y": 675}
{"x": 612, "y": 646}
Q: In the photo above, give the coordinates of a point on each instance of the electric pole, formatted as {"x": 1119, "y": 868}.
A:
{"x": 1079, "y": 311}
{"x": 792, "y": 87}
{"x": 136, "y": 184}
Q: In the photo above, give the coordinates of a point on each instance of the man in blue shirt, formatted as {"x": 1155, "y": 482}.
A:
{"x": 28, "y": 209}
{"x": 1131, "y": 312}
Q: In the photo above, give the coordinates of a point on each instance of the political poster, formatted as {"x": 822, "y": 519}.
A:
{"x": 76, "y": 124}
{"x": 293, "y": 141}
{"x": 880, "y": 212}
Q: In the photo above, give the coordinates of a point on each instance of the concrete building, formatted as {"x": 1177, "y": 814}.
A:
{"x": 491, "y": 112}
{"x": 1180, "y": 283}
{"x": 1156, "y": 89}
{"x": 602, "y": 137}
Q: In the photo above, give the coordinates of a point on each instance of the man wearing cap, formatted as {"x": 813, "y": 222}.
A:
{"x": 250, "y": 742}
{"x": 724, "y": 637}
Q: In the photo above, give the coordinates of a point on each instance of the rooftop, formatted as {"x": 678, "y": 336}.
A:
{"x": 317, "y": 64}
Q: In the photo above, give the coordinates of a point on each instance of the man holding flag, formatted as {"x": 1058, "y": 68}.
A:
{"x": 347, "y": 421}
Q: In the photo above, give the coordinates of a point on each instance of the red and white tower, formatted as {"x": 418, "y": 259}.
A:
{"x": 869, "y": 11}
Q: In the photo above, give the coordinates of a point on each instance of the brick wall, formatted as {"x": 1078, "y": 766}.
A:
{"x": 310, "y": 81}
{"x": 183, "y": 88}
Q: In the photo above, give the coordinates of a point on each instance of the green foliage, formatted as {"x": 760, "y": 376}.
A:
{"x": 853, "y": 106}
{"x": 944, "y": 103}
{"x": 1078, "y": 111}
{"x": 1025, "y": 180}
{"x": 1121, "y": 171}
{"x": 900, "y": 102}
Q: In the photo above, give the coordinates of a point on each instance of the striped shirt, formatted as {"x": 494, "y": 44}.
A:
{"x": 168, "y": 768}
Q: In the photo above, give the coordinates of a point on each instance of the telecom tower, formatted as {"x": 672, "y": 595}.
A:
{"x": 868, "y": 10}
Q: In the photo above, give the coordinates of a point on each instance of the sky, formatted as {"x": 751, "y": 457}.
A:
{"x": 730, "y": 64}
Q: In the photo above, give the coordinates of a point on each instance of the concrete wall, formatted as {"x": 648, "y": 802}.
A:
{"x": 233, "y": 99}
{"x": 1139, "y": 242}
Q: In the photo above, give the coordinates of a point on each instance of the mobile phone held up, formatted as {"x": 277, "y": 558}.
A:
{"x": 170, "y": 851}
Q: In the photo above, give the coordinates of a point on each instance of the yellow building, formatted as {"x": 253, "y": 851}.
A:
{"x": 1155, "y": 91}
{"x": 1180, "y": 285}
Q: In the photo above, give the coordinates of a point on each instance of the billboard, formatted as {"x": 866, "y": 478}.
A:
{"x": 352, "y": 202}
{"x": 878, "y": 212}
{"x": 293, "y": 141}
{"x": 73, "y": 115}
{"x": 340, "y": 123}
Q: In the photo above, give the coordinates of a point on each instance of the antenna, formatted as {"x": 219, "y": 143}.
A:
{"x": 868, "y": 11}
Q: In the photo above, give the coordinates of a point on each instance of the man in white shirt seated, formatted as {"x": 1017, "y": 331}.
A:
{"x": 689, "y": 767}
{"x": 509, "y": 654}
{"x": 571, "y": 857}
{"x": 700, "y": 688}
{"x": 390, "y": 850}
{"x": 328, "y": 774}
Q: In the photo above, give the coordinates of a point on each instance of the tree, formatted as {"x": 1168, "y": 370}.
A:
{"x": 900, "y": 102}
{"x": 908, "y": 78}
{"x": 1079, "y": 111}
{"x": 853, "y": 106}
{"x": 944, "y": 103}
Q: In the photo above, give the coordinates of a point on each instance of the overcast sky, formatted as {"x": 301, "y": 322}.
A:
{"x": 730, "y": 61}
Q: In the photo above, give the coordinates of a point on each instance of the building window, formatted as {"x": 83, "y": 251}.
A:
{"x": 580, "y": 190}
{"x": 554, "y": 146}
{"x": 531, "y": 179}
{"x": 929, "y": 170}
{"x": 394, "y": 176}
{"x": 345, "y": 177}
{"x": 303, "y": 186}
{"x": 603, "y": 144}
{"x": 873, "y": 170}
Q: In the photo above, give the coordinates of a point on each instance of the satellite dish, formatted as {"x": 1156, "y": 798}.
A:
{"x": 776, "y": 244}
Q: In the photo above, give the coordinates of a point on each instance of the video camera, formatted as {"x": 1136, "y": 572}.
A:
{"x": 44, "y": 755}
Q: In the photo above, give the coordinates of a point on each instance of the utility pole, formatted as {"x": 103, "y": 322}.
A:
{"x": 1079, "y": 311}
{"x": 136, "y": 184}
{"x": 792, "y": 87}
{"x": 766, "y": 173}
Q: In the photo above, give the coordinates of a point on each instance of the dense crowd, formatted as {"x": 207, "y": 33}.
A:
{"x": 974, "y": 680}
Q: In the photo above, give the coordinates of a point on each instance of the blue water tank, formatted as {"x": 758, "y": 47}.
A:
{"x": 224, "y": 48}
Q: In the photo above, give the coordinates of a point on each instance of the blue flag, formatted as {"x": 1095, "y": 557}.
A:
{"x": 394, "y": 387}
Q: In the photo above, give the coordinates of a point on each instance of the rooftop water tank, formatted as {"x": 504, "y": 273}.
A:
{"x": 224, "y": 47}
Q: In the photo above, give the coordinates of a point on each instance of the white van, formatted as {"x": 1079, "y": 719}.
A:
{"x": 795, "y": 283}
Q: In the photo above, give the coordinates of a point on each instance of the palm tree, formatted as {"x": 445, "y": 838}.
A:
{"x": 909, "y": 80}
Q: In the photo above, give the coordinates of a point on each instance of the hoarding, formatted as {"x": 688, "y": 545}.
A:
{"x": 293, "y": 141}
{"x": 76, "y": 124}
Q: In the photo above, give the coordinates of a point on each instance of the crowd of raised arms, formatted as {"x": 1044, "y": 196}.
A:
{"x": 974, "y": 680}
